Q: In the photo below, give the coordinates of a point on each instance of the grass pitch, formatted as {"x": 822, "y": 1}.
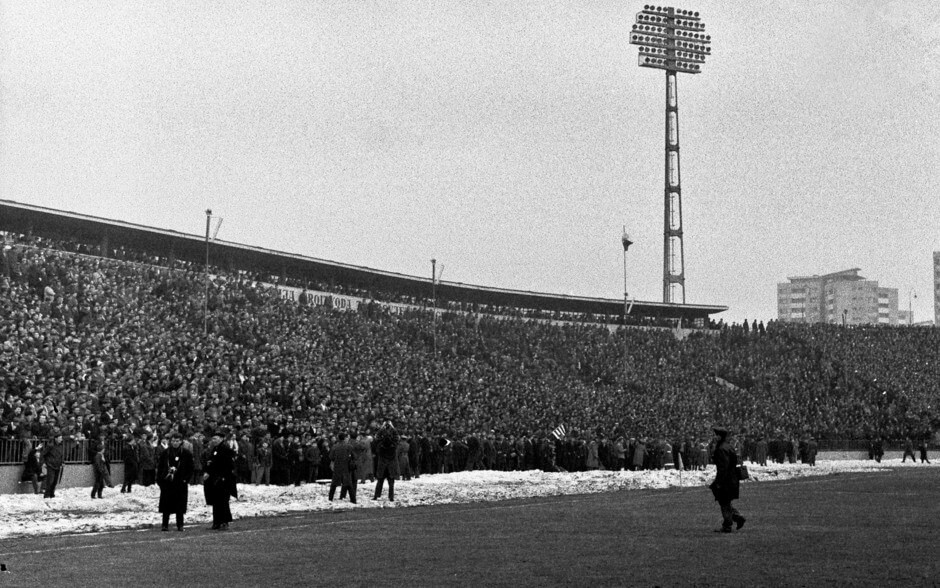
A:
{"x": 877, "y": 529}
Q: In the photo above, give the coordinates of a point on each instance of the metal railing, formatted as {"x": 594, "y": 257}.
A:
{"x": 15, "y": 451}
{"x": 863, "y": 445}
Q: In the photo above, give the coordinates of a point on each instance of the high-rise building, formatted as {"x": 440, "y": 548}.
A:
{"x": 841, "y": 297}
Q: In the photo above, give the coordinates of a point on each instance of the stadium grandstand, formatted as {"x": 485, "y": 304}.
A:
{"x": 112, "y": 238}
{"x": 110, "y": 331}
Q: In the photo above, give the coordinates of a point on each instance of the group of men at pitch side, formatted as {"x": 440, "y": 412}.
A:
{"x": 176, "y": 463}
{"x": 344, "y": 460}
{"x": 175, "y": 469}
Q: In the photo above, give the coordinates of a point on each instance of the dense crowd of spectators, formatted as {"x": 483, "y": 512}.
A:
{"x": 100, "y": 348}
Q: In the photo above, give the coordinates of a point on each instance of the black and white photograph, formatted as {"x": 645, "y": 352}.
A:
{"x": 470, "y": 293}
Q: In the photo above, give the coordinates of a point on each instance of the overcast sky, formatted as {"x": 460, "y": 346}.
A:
{"x": 510, "y": 140}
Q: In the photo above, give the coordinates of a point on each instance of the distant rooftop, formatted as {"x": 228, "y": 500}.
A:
{"x": 849, "y": 275}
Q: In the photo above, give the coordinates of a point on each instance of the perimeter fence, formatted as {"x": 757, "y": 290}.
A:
{"x": 15, "y": 451}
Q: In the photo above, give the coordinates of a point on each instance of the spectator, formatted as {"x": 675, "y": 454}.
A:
{"x": 131, "y": 458}
{"x": 311, "y": 458}
{"x": 262, "y": 467}
{"x": 922, "y": 448}
{"x": 148, "y": 463}
{"x": 53, "y": 458}
{"x": 101, "y": 471}
{"x": 245, "y": 459}
{"x": 32, "y": 471}
{"x": 908, "y": 450}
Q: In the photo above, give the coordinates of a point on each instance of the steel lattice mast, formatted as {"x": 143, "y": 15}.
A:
{"x": 674, "y": 40}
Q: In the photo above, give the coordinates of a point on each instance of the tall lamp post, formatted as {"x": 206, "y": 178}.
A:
{"x": 434, "y": 303}
{"x": 626, "y": 242}
{"x": 674, "y": 40}
{"x": 205, "y": 308}
{"x": 910, "y": 307}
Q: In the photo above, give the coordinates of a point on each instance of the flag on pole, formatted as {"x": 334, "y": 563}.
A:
{"x": 217, "y": 226}
{"x": 559, "y": 431}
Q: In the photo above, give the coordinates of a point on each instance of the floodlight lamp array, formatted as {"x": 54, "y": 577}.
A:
{"x": 636, "y": 39}
{"x": 699, "y": 37}
{"x": 670, "y": 64}
{"x": 671, "y": 39}
{"x": 667, "y": 11}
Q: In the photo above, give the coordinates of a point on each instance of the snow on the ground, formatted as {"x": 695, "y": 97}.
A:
{"x": 74, "y": 511}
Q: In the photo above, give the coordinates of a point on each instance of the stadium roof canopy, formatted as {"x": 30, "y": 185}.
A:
{"x": 110, "y": 234}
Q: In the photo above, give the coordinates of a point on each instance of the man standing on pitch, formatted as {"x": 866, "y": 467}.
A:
{"x": 173, "y": 474}
{"x": 53, "y": 457}
{"x": 131, "y": 463}
{"x": 386, "y": 445}
{"x": 343, "y": 461}
{"x": 726, "y": 484}
{"x": 220, "y": 483}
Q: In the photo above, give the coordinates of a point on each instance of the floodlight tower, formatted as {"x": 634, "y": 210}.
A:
{"x": 673, "y": 40}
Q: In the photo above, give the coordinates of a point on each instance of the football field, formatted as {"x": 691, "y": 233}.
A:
{"x": 870, "y": 529}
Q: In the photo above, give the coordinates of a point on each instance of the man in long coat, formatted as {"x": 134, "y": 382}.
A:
{"x": 147, "y": 463}
{"x": 102, "y": 471}
{"x": 173, "y": 474}
{"x": 344, "y": 468}
{"x": 404, "y": 466}
{"x": 414, "y": 455}
{"x": 365, "y": 470}
{"x": 53, "y": 457}
{"x": 386, "y": 448}
{"x": 131, "y": 463}
{"x": 220, "y": 483}
{"x": 280, "y": 474}
{"x": 638, "y": 455}
{"x": 725, "y": 487}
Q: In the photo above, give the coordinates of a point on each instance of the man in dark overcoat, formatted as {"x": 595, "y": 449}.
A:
{"x": 220, "y": 481}
{"x": 280, "y": 474}
{"x": 878, "y": 449}
{"x": 53, "y": 457}
{"x": 245, "y": 460}
{"x": 414, "y": 455}
{"x": 146, "y": 460}
{"x": 174, "y": 471}
{"x": 343, "y": 461}
{"x": 725, "y": 487}
{"x": 922, "y": 448}
{"x": 131, "y": 457}
{"x": 386, "y": 446}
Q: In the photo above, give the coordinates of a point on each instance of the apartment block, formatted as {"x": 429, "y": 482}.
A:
{"x": 843, "y": 297}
